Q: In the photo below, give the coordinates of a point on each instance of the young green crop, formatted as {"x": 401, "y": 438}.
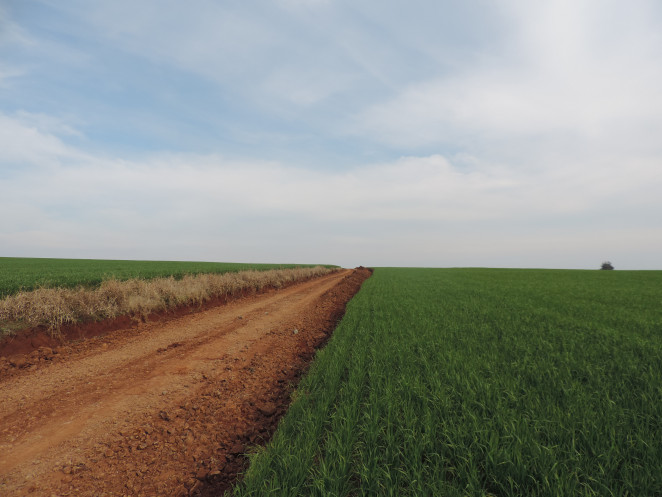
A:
{"x": 480, "y": 382}
{"x": 27, "y": 273}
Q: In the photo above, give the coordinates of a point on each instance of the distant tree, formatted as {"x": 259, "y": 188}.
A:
{"x": 606, "y": 266}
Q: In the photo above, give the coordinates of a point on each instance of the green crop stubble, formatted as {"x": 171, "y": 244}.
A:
{"x": 480, "y": 382}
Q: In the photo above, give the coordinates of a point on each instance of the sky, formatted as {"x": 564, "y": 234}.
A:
{"x": 431, "y": 133}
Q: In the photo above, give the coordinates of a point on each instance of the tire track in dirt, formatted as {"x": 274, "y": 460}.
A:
{"x": 167, "y": 408}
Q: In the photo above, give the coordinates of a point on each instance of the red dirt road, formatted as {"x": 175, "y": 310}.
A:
{"x": 165, "y": 408}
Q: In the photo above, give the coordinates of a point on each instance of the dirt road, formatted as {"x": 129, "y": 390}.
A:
{"x": 166, "y": 408}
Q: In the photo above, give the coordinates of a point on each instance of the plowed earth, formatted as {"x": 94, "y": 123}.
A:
{"x": 166, "y": 408}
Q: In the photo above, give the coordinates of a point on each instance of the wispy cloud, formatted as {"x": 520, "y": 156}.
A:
{"x": 565, "y": 73}
{"x": 32, "y": 140}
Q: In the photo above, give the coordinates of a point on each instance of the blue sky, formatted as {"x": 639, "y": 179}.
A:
{"x": 421, "y": 133}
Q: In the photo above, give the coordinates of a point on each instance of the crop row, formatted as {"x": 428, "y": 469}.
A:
{"x": 480, "y": 382}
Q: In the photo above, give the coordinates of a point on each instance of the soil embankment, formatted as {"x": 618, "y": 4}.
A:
{"x": 167, "y": 408}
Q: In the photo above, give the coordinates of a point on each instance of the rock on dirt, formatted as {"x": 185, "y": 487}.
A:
{"x": 267, "y": 409}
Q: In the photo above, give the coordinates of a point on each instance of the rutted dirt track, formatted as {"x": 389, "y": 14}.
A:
{"x": 165, "y": 408}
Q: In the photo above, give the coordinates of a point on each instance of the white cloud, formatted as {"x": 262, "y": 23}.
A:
{"x": 46, "y": 124}
{"x": 294, "y": 53}
{"x": 30, "y": 139}
{"x": 297, "y": 4}
{"x": 12, "y": 37}
{"x": 455, "y": 211}
{"x": 565, "y": 72}
{"x": 206, "y": 38}
{"x": 303, "y": 86}
{"x": 8, "y": 74}
{"x": 11, "y": 33}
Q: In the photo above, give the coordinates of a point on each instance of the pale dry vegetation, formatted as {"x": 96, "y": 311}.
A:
{"x": 54, "y": 307}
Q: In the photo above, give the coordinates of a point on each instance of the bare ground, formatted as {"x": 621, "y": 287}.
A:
{"x": 165, "y": 408}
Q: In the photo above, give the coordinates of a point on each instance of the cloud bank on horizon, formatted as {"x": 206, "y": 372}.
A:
{"x": 423, "y": 133}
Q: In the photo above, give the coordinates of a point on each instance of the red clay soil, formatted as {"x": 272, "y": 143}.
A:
{"x": 163, "y": 408}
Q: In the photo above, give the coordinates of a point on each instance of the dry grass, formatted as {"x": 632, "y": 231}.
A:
{"x": 54, "y": 307}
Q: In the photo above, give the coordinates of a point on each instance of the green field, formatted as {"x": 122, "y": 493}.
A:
{"x": 480, "y": 382}
{"x": 27, "y": 273}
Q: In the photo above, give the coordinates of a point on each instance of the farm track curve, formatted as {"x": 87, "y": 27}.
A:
{"x": 166, "y": 408}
